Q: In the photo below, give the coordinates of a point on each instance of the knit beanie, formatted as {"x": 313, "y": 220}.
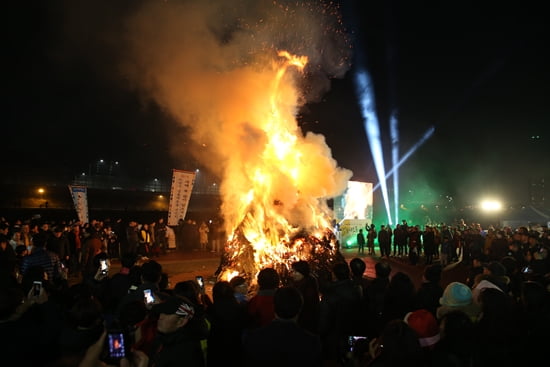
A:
{"x": 456, "y": 294}
{"x": 425, "y": 325}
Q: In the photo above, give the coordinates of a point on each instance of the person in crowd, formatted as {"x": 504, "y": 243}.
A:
{"x": 26, "y": 235}
{"x": 154, "y": 249}
{"x": 384, "y": 241}
{"x": 181, "y": 235}
{"x": 95, "y": 354}
{"x": 430, "y": 291}
{"x": 28, "y": 326}
{"x": 426, "y": 327}
{"x": 397, "y": 345}
{"x": 218, "y": 235}
{"x": 376, "y": 294}
{"x": 415, "y": 244}
{"x": 456, "y": 346}
{"x": 76, "y": 239}
{"x": 240, "y": 289}
{"x": 358, "y": 267}
{"x": 306, "y": 283}
{"x": 170, "y": 239}
{"x": 119, "y": 284}
{"x": 534, "y": 311}
{"x": 260, "y": 307}
{"x": 496, "y": 330}
{"x": 371, "y": 236}
{"x": 458, "y": 297}
{"x": 151, "y": 272}
{"x": 203, "y": 235}
{"x": 340, "y": 308}
{"x": 400, "y": 297}
{"x": 499, "y": 246}
{"x": 283, "y": 342}
{"x": 474, "y": 270}
{"x": 400, "y": 240}
{"x": 59, "y": 244}
{"x": 83, "y": 323}
{"x": 176, "y": 342}
{"x": 227, "y": 319}
{"x": 92, "y": 246}
{"x": 493, "y": 276}
{"x": 112, "y": 243}
{"x": 161, "y": 236}
{"x": 191, "y": 290}
{"x": 16, "y": 240}
{"x": 145, "y": 241}
{"x": 8, "y": 257}
{"x": 428, "y": 241}
{"x": 360, "y": 242}
{"x": 41, "y": 257}
{"x": 132, "y": 238}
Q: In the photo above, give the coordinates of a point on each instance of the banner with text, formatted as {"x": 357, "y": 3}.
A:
{"x": 180, "y": 193}
{"x": 80, "y": 200}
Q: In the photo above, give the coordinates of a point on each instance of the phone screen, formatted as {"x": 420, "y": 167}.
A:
{"x": 116, "y": 345}
{"x": 200, "y": 280}
{"x": 353, "y": 340}
{"x": 36, "y": 286}
{"x": 149, "y": 298}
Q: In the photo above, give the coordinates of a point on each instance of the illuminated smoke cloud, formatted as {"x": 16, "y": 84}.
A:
{"x": 210, "y": 64}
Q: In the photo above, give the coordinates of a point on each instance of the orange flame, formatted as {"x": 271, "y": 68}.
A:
{"x": 262, "y": 216}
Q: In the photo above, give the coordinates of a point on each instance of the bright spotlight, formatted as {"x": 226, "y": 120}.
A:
{"x": 372, "y": 128}
{"x": 491, "y": 205}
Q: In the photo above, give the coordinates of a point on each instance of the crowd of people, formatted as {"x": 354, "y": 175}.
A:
{"x": 499, "y": 316}
{"x": 450, "y": 244}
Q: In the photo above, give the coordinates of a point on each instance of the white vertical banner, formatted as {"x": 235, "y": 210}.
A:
{"x": 80, "y": 200}
{"x": 180, "y": 193}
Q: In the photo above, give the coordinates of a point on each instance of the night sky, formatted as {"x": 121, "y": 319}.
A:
{"x": 477, "y": 72}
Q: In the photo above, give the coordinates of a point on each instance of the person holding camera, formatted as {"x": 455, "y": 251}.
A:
{"x": 178, "y": 338}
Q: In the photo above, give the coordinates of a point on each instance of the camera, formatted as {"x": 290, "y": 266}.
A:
{"x": 148, "y": 296}
{"x": 200, "y": 281}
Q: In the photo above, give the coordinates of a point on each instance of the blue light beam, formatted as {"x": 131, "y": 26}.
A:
{"x": 422, "y": 140}
{"x": 372, "y": 128}
{"x": 394, "y": 132}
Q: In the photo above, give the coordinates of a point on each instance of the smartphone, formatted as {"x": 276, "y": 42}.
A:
{"x": 354, "y": 340}
{"x": 148, "y": 296}
{"x": 104, "y": 266}
{"x": 36, "y": 287}
{"x": 200, "y": 280}
{"x": 116, "y": 347}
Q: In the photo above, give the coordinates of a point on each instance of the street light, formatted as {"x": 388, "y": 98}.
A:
{"x": 493, "y": 209}
{"x": 41, "y": 192}
{"x": 491, "y": 205}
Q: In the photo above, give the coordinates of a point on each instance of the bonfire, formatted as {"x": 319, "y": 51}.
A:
{"x": 268, "y": 231}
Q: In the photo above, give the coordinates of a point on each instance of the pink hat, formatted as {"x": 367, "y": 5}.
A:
{"x": 425, "y": 325}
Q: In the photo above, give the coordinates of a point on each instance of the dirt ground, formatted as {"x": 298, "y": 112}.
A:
{"x": 181, "y": 266}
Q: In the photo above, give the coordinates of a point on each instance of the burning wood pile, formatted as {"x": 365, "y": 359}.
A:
{"x": 243, "y": 259}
